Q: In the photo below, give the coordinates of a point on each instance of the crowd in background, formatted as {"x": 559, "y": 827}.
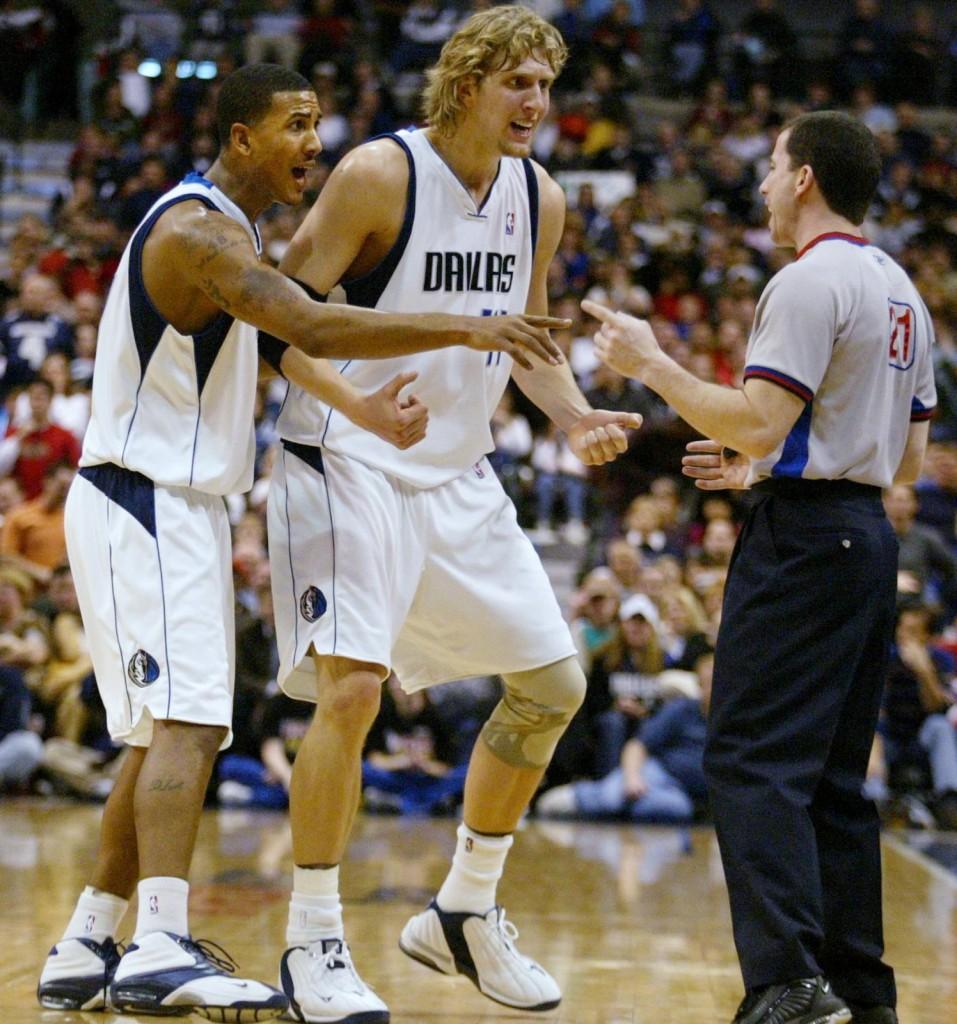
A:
{"x": 661, "y": 135}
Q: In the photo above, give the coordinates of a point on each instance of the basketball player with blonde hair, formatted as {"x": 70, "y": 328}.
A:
{"x": 413, "y": 560}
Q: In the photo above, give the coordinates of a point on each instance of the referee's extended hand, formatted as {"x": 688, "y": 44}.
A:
{"x": 710, "y": 468}
{"x": 623, "y": 342}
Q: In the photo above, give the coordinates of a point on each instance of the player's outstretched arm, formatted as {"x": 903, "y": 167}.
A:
{"x": 215, "y": 253}
{"x": 595, "y": 436}
{"x": 754, "y": 419}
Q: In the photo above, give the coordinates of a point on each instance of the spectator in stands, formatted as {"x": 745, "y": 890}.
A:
{"x": 926, "y": 567}
{"x": 917, "y": 55}
{"x": 424, "y": 28}
{"x": 327, "y": 35}
{"x": 114, "y": 119}
{"x": 262, "y": 780}
{"x": 682, "y": 190}
{"x": 864, "y": 48}
{"x": 21, "y": 749}
{"x": 625, "y": 564}
{"x": 643, "y": 528}
{"x": 60, "y": 689}
{"x": 32, "y": 537}
{"x": 623, "y": 685}
{"x": 70, "y": 406}
{"x": 32, "y": 332}
{"x": 83, "y": 261}
{"x": 274, "y": 34}
{"x": 616, "y": 42}
{"x": 684, "y": 628}
{"x": 29, "y": 450}
{"x": 23, "y": 636}
{"x": 915, "y": 726}
{"x": 141, "y": 190}
{"x": 937, "y": 491}
{"x": 660, "y": 778}
{"x": 692, "y": 43}
{"x": 765, "y": 51}
{"x": 11, "y": 497}
{"x": 409, "y": 763}
{"x": 257, "y": 665}
{"x": 558, "y": 473}
{"x": 594, "y": 611}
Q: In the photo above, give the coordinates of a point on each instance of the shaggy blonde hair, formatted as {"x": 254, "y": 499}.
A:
{"x": 488, "y": 42}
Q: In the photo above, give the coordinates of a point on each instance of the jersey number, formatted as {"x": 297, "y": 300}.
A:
{"x": 901, "y": 334}
{"x": 494, "y": 358}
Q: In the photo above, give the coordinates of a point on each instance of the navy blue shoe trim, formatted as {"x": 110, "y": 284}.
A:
{"x": 453, "y": 923}
{"x": 75, "y": 993}
{"x": 285, "y": 983}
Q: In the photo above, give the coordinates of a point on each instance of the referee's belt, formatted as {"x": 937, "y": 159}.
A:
{"x": 794, "y": 487}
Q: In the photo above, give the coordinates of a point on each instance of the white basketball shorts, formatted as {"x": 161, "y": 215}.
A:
{"x": 437, "y": 584}
{"x": 153, "y": 572}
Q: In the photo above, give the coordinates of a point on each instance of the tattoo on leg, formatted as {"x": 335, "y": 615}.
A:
{"x": 165, "y": 785}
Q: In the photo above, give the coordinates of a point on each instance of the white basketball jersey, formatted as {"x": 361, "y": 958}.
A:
{"x": 177, "y": 408}
{"x": 450, "y": 257}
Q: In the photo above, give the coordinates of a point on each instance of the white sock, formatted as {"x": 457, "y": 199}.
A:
{"x": 476, "y": 868}
{"x": 97, "y": 915}
{"x": 162, "y": 906}
{"x": 315, "y": 911}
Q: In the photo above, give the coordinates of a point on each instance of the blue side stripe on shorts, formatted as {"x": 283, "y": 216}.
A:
{"x": 292, "y": 572}
{"x": 128, "y": 489}
{"x": 309, "y": 454}
{"x": 116, "y": 620}
{"x": 169, "y": 673}
{"x": 332, "y": 529}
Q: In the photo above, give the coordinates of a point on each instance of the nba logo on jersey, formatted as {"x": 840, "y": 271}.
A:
{"x": 142, "y": 669}
{"x": 154, "y": 905}
{"x": 509, "y": 223}
{"x": 901, "y": 335}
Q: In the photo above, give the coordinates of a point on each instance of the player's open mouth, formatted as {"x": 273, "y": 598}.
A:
{"x": 299, "y": 173}
{"x": 524, "y": 131}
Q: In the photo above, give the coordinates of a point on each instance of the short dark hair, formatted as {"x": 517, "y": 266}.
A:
{"x": 844, "y": 156}
{"x": 246, "y": 95}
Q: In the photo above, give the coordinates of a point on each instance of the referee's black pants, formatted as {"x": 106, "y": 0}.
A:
{"x": 799, "y": 668}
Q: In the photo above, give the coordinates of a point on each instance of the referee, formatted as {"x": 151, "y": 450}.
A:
{"x": 838, "y": 390}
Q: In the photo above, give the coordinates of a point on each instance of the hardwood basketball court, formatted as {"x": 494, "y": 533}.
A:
{"x": 633, "y": 922}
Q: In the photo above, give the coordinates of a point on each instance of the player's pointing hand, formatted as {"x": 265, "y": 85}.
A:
{"x": 599, "y": 436}
{"x": 623, "y": 342}
{"x": 521, "y": 336}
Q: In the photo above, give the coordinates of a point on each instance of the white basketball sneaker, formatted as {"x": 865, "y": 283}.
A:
{"x": 482, "y": 947}
{"x": 77, "y": 974}
{"x": 173, "y": 975}
{"x": 323, "y": 986}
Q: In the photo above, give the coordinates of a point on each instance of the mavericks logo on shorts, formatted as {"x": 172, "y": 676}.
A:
{"x": 312, "y": 604}
{"x": 142, "y": 668}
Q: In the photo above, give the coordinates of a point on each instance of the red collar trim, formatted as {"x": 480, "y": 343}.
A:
{"x": 853, "y": 239}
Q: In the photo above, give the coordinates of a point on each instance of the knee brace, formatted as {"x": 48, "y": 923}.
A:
{"x": 529, "y": 720}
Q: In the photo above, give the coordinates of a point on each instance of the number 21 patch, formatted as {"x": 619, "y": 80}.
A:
{"x": 902, "y": 334}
